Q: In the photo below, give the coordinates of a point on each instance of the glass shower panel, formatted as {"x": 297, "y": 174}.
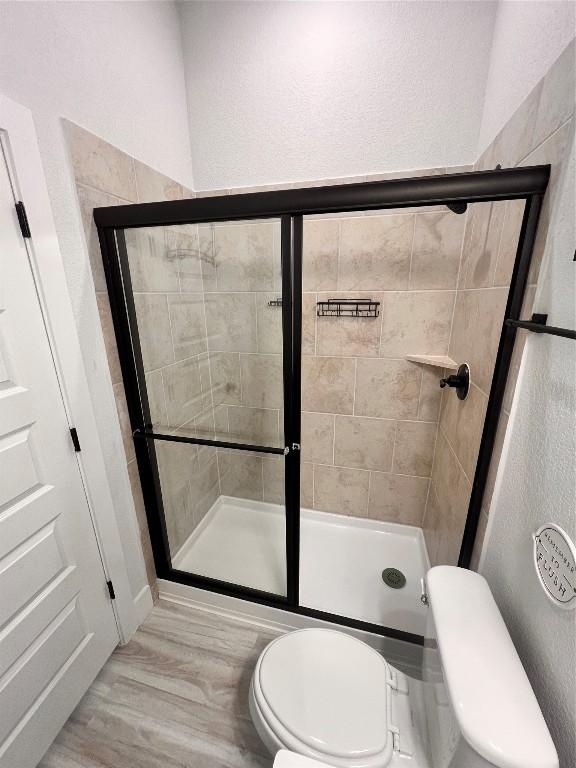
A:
{"x": 207, "y": 304}
{"x": 378, "y": 291}
{"x": 393, "y": 302}
{"x": 224, "y": 514}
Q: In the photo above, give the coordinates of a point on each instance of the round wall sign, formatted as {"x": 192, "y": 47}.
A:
{"x": 555, "y": 561}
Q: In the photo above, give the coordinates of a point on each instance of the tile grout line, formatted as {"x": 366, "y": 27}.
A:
{"x": 412, "y": 253}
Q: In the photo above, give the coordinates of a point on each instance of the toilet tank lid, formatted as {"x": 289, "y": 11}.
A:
{"x": 491, "y": 696}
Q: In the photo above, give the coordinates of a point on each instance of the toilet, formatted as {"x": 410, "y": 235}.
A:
{"x": 326, "y": 695}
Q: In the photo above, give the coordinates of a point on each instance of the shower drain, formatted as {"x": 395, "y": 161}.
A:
{"x": 394, "y": 578}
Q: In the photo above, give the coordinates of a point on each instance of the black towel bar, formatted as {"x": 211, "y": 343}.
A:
{"x": 537, "y": 324}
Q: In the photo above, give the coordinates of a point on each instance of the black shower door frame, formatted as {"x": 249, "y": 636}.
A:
{"x": 290, "y": 206}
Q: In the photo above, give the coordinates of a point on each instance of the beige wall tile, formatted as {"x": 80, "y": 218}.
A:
{"x": 348, "y": 336}
{"x": 476, "y": 332}
{"x": 156, "y": 398}
{"x": 231, "y": 322}
{"x": 397, "y": 498}
{"x": 188, "y": 324}
{"x": 375, "y": 252}
{"x": 273, "y": 478}
{"x": 344, "y": 491}
{"x": 320, "y": 254}
{"x": 462, "y": 422}
{"x": 309, "y": 323}
{"x": 143, "y": 527}
{"x": 515, "y": 140}
{"x": 557, "y": 96}
{"x": 416, "y": 322}
{"x": 262, "y": 380}
{"x": 89, "y": 199}
{"x": 183, "y": 391}
{"x": 257, "y": 426}
{"x": 204, "y": 487}
{"x": 151, "y": 266}
{"x": 124, "y": 418}
{"x": 220, "y": 413}
{"x": 243, "y": 256}
{"x": 452, "y": 490}
{"x": 432, "y": 527}
{"x": 317, "y": 437}
{"x": 134, "y": 478}
{"x": 551, "y": 152}
{"x": 387, "y": 389}
{"x": 269, "y": 322}
{"x": 225, "y": 377}
{"x": 277, "y": 257}
{"x": 153, "y": 186}
{"x": 240, "y": 475}
{"x": 175, "y": 462}
{"x": 100, "y": 165}
{"x": 328, "y": 384}
{"x": 437, "y": 248}
{"x": 479, "y": 261}
{"x": 182, "y": 249}
{"x": 307, "y": 485}
{"x": 204, "y": 368}
{"x": 206, "y": 256}
{"x": 154, "y": 329}
{"x": 109, "y": 337}
{"x": 509, "y": 241}
{"x": 414, "y": 448}
{"x": 430, "y": 393}
{"x": 364, "y": 443}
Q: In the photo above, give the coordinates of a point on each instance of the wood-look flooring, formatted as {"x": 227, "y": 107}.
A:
{"x": 176, "y": 696}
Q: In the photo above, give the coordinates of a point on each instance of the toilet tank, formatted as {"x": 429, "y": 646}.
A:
{"x": 480, "y": 708}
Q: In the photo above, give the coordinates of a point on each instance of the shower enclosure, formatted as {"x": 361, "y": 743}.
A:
{"x": 281, "y": 355}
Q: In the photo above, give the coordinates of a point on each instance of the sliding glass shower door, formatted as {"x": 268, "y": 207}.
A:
{"x": 209, "y": 309}
{"x": 214, "y": 321}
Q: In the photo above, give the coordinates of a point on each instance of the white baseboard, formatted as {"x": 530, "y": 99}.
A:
{"x": 143, "y": 604}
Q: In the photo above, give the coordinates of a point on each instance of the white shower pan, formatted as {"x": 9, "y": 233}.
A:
{"x": 242, "y": 541}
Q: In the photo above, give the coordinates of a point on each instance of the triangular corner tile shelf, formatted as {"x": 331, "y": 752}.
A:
{"x": 439, "y": 361}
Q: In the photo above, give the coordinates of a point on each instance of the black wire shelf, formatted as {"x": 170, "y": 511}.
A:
{"x": 348, "y": 308}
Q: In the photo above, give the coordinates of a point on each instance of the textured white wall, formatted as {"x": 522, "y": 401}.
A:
{"x": 528, "y": 38}
{"x": 115, "y": 68}
{"x": 537, "y": 483}
{"x": 283, "y": 92}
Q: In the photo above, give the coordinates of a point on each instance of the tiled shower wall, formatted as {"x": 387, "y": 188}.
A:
{"x": 106, "y": 176}
{"x": 369, "y": 415}
{"x": 540, "y": 132}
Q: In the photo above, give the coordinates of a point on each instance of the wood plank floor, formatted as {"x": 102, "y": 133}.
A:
{"x": 175, "y": 696}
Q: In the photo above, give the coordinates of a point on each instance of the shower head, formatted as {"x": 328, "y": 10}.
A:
{"x": 457, "y": 207}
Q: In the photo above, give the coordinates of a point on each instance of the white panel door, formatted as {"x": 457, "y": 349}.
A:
{"x": 57, "y": 626}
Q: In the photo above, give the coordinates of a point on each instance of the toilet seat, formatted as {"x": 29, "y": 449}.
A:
{"x": 326, "y": 695}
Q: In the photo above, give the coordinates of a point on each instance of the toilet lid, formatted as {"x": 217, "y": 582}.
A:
{"x": 329, "y": 690}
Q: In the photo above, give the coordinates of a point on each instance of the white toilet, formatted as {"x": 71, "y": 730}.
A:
{"x": 326, "y": 695}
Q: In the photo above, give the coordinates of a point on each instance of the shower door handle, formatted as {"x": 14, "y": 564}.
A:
{"x": 294, "y": 448}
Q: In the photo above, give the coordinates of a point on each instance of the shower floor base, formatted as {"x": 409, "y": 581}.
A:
{"x": 341, "y": 560}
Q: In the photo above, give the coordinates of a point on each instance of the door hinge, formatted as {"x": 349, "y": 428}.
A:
{"x": 111, "y": 590}
{"x": 75, "y": 439}
{"x": 23, "y": 219}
